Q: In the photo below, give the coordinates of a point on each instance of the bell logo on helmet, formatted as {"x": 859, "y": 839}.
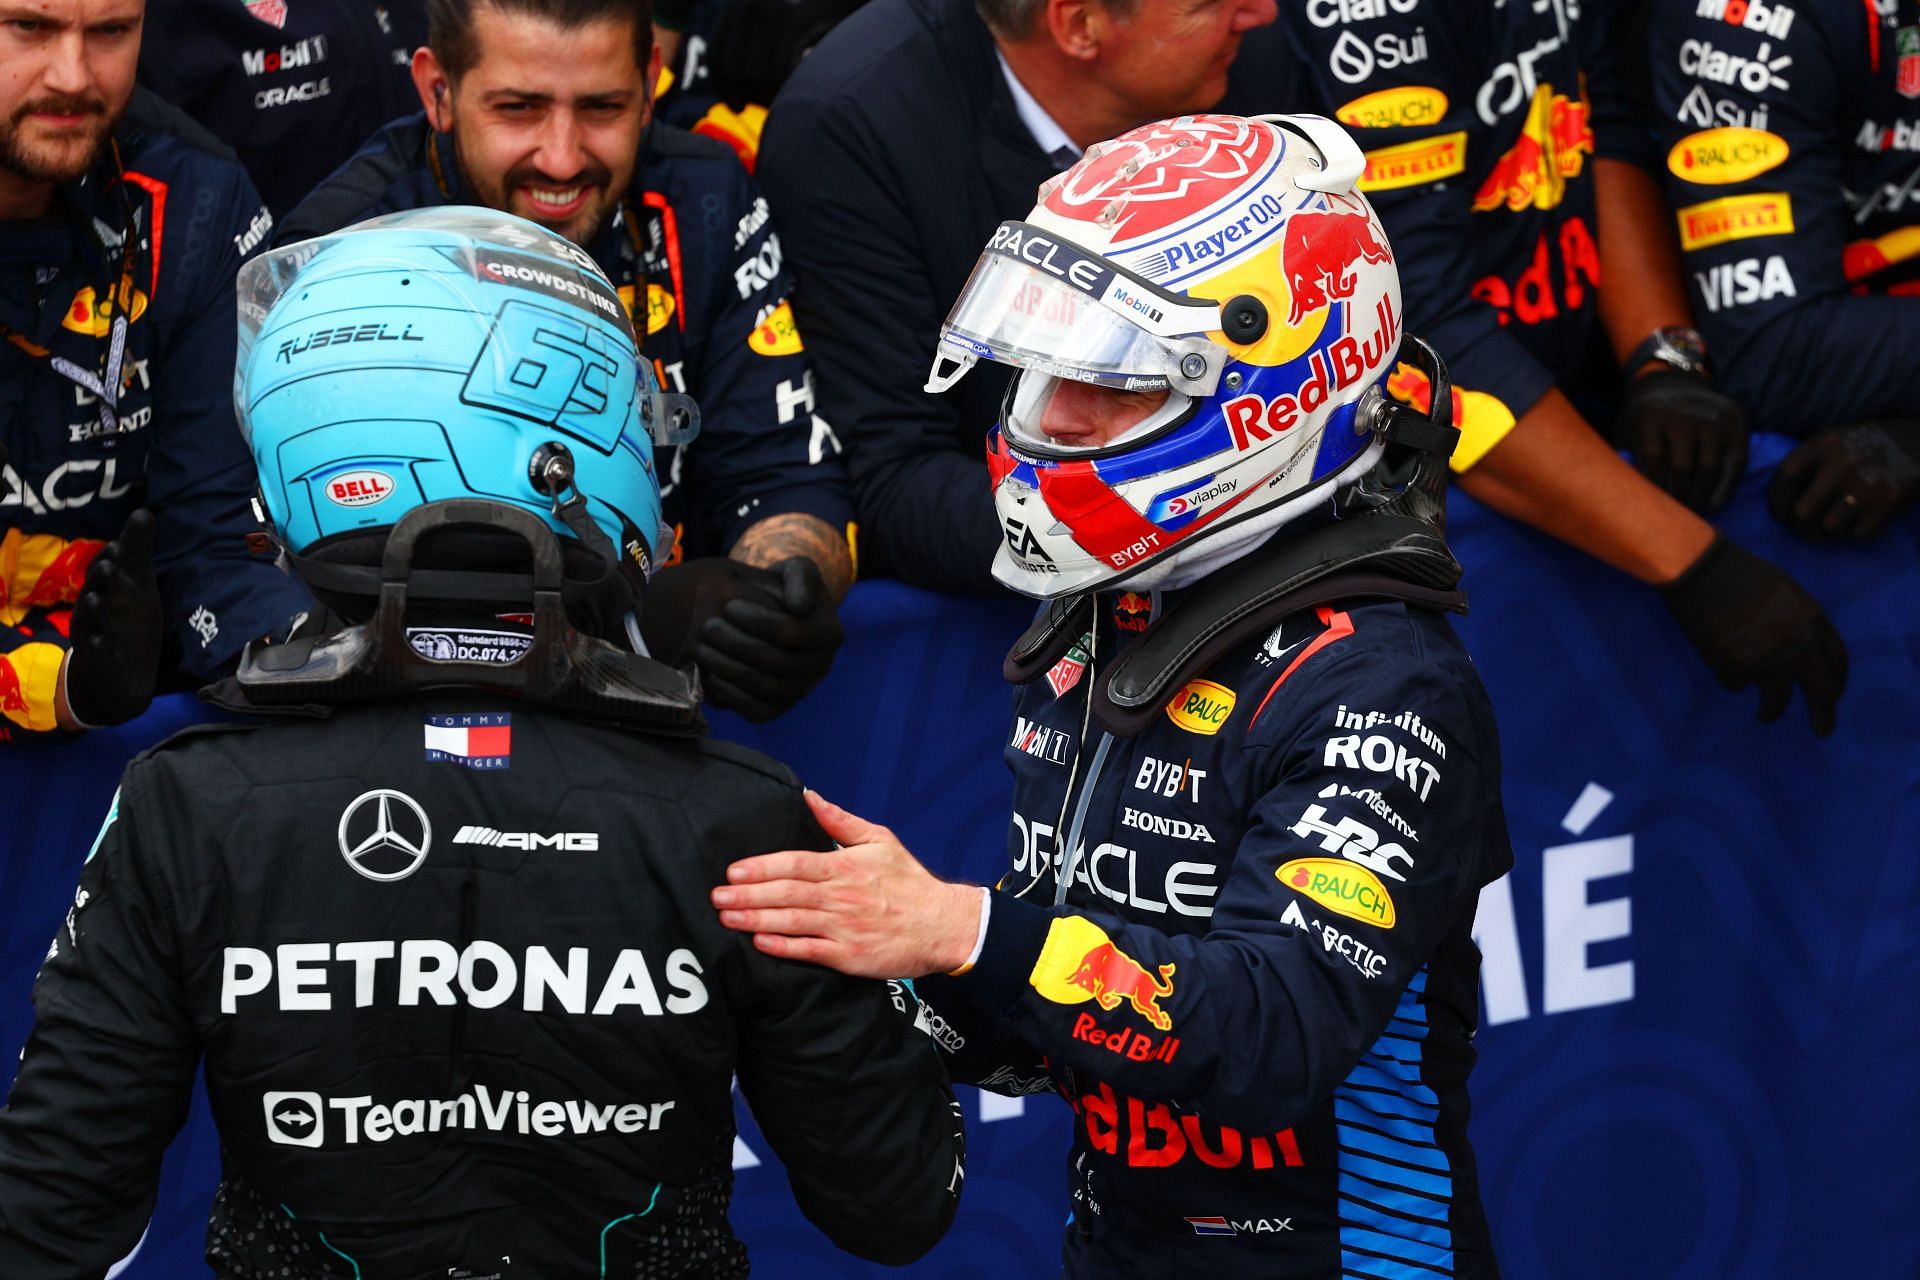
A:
{"x": 359, "y": 488}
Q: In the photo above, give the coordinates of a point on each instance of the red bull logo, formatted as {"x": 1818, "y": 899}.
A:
{"x": 60, "y": 581}
{"x": 1320, "y": 252}
{"x": 1553, "y": 145}
{"x": 13, "y": 699}
{"x": 1132, "y": 611}
{"x": 1252, "y": 420}
{"x": 1149, "y": 1135}
{"x": 1113, "y": 976}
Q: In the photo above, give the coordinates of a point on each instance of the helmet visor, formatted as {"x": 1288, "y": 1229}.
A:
{"x": 1041, "y": 303}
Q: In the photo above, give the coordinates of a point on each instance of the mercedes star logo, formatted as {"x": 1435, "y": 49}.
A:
{"x": 382, "y": 840}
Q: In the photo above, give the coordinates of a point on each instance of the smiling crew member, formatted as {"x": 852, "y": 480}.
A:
{"x": 121, "y": 224}
{"x": 543, "y": 109}
{"x": 441, "y": 937}
{"x": 1256, "y": 778}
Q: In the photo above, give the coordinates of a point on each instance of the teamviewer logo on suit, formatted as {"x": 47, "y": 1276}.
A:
{"x": 295, "y": 1119}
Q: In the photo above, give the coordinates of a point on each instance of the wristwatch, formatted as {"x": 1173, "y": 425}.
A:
{"x": 1673, "y": 345}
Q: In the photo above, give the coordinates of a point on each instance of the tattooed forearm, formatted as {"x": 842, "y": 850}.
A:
{"x": 782, "y": 537}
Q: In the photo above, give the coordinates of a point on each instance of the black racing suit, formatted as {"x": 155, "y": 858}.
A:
{"x": 1791, "y": 136}
{"x": 1258, "y": 991}
{"x": 461, "y": 999}
{"x": 698, "y": 262}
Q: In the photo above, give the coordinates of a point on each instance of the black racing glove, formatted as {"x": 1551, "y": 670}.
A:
{"x": 1754, "y": 625}
{"x": 761, "y": 637}
{"x": 1684, "y": 436}
{"x": 114, "y": 637}
{"x": 1849, "y": 482}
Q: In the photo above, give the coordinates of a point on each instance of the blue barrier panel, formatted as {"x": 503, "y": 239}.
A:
{"x": 1700, "y": 1046}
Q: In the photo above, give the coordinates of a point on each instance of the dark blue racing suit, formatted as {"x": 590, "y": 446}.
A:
{"x": 699, "y": 265}
{"x": 160, "y": 232}
{"x": 1793, "y": 162}
{"x": 294, "y": 88}
{"x": 1258, "y": 990}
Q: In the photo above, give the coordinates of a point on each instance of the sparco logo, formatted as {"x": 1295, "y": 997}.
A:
{"x": 300, "y": 1119}
{"x": 572, "y": 841}
{"x": 383, "y": 840}
{"x": 1178, "y": 828}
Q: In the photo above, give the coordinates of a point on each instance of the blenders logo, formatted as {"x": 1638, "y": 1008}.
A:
{"x": 1162, "y": 174}
{"x": 583, "y": 291}
{"x": 359, "y": 488}
{"x": 1320, "y": 252}
{"x": 342, "y": 335}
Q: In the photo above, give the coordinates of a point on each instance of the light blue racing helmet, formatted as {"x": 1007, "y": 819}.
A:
{"x": 442, "y": 354}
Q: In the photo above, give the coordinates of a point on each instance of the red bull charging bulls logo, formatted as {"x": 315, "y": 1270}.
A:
{"x": 1112, "y": 976}
{"x": 1080, "y": 963}
{"x": 1320, "y": 252}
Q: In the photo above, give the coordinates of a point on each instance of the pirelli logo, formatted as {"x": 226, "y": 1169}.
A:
{"x": 1412, "y": 163}
{"x": 572, "y": 841}
{"x": 1768, "y": 213}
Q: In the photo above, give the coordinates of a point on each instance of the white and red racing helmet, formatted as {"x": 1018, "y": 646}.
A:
{"x": 1227, "y": 270}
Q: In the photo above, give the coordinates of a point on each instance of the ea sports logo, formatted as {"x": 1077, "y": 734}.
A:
{"x": 1166, "y": 173}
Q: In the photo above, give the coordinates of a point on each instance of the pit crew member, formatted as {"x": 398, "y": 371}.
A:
{"x": 125, "y": 224}
{"x": 543, "y": 109}
{"x": 1791, "y": 137}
